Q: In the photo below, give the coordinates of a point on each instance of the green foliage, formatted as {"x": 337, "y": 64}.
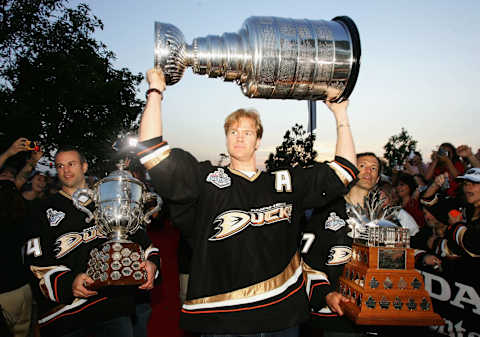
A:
{"x": 397, "y": 150}
{"x": 296, "y": 149}
{"x": 58, "y": 85}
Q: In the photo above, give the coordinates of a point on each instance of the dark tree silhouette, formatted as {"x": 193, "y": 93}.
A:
{"x": 397, "y": 150}
{"x": 296, "y": 149}
{"x": 58, "y": 85}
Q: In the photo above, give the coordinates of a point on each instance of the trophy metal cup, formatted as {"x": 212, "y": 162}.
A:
{"x": 381, "y": 276}
{"x": 119, "y": 199}
{"x": 270, "y": 57}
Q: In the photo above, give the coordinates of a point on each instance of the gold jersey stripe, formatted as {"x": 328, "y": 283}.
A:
{"x": 155, "y": 161}
{"x": 256, "y": 289}
{"x": 241, "y": 174}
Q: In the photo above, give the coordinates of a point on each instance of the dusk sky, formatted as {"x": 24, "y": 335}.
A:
{"x": 418, "y": 70}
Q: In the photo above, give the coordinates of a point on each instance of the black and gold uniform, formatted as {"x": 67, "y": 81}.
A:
{"x": 246, "y": 274}
{"x": 57, "y": 252}
{"x": 326, "y": 248}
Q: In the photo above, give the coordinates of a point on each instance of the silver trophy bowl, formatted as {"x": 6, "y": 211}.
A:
{"x": 119, "y": 199}
{"x": 119, "y": 202}
{"x": 270, "y": 57}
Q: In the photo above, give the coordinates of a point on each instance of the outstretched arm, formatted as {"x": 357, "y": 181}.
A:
{"x": 345, "y": 147}
{"x": 16, "y": 147}
{"x": 151, "y": 122}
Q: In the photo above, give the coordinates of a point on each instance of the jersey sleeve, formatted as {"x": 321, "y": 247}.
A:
{"x": 325, "y": 182}
{"x": 176, "y": 177}
{"x": 326, "y": 254}
{"x": 152, "y": 253}
{"x": 48, "y": 277}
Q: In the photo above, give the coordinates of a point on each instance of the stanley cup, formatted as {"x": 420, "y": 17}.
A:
{"x": 270, "y": 57}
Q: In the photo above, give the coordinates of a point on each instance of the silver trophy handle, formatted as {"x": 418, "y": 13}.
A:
{"x": 148, "y": 196}
{"x": 76, "y": 196}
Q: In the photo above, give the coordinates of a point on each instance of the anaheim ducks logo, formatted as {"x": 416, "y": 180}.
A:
{"x": 234, "y": 221}
{"x": 339, "y": 255}
{"x": 69, "y": 241}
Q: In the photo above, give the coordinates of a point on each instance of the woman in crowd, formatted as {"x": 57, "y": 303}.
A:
{"x": 446, "y": 160}
{"x": 38, "y": 183}
{"x": 405, "y": 188}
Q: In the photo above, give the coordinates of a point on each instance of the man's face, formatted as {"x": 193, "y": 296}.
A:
{"x": 368, "y": 176}
{"x": 472, "y": 192}
{"x": 70, "y": 170}
{"x": 242, "y": 141}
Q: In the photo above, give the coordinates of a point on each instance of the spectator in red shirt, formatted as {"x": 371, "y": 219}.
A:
{"x": 405, "y": 187}
{"x": 446, "y": 160}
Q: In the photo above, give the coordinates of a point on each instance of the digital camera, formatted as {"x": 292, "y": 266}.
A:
{"x": 32, "y": 146}
{"x": 442, "y": 152}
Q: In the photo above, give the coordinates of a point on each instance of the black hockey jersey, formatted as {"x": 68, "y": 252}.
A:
{"x": 326, "y": 248}
{"x": 57, "y": 252}
{"x": 246, "y": 274}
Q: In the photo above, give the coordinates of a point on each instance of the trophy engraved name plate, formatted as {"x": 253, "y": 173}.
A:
{"x": 270, "y": 57}
{"x": 119, "y": 199}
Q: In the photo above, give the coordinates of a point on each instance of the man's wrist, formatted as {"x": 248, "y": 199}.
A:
{"x": 155, "y": 91}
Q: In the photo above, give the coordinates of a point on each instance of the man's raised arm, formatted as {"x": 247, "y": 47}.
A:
{"x": 151, "y": 122}
{"x": 345, "y": 147}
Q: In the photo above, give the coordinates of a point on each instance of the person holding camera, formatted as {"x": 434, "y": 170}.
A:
{"x": 415, "y": 165}
{"x": 465, "y": 152}
{"x": 446, "y": 160}
{"x": 9, "y": 173}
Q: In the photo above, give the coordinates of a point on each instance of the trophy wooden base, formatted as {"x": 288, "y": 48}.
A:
{"x": 116, "y": 263}
{"x": 386, "y": 288}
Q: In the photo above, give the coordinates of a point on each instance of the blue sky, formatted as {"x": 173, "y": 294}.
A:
{"x": 419, "y": 70}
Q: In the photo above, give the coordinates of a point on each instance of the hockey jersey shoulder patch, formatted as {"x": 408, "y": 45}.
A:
{"x": 219, "y": 178}
{"x": 334, "y": 222}
{"x": 54, "y": 217}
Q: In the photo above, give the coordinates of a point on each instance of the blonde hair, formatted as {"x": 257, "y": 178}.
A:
{"x": 235, "y": 116}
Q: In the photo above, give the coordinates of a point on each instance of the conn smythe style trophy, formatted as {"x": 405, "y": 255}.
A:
{"x": 381, "y": 276}
{"x": 270, "y": 57}
{"x": 119, "y": 199}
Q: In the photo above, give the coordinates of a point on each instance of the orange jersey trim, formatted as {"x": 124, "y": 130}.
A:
{"x": 151, "y": 148}
{"x": 73, "y": 312}
{"x": 348, "y": 169}
{"x": 55, "y": 285}
{"x": 313, "y": 286}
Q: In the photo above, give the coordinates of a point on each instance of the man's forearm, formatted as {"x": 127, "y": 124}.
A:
{"x": 345, "y": 146}
{"x": 472, "y": 159}
{"x": 3, "y": 159}
{"x": 151, "y": 122}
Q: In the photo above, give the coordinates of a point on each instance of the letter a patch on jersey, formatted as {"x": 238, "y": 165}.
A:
{"x": 334, "y": 222}
{"x": 219, "y": 178}
{"x": 54, "y": 217}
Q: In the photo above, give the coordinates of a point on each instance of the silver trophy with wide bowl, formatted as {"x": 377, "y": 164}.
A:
{"x": 120, "y": 200}
{"x": 270, "y": 57}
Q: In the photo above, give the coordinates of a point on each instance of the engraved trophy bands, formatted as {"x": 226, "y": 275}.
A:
{"x": 119, "y": 200}
{"x": 270, "y": 57}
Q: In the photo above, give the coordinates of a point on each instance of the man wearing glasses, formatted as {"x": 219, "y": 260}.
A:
{"x": 58, "y": 257}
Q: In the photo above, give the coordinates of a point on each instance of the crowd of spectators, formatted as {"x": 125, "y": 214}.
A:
{"x": 439, "y": 204}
